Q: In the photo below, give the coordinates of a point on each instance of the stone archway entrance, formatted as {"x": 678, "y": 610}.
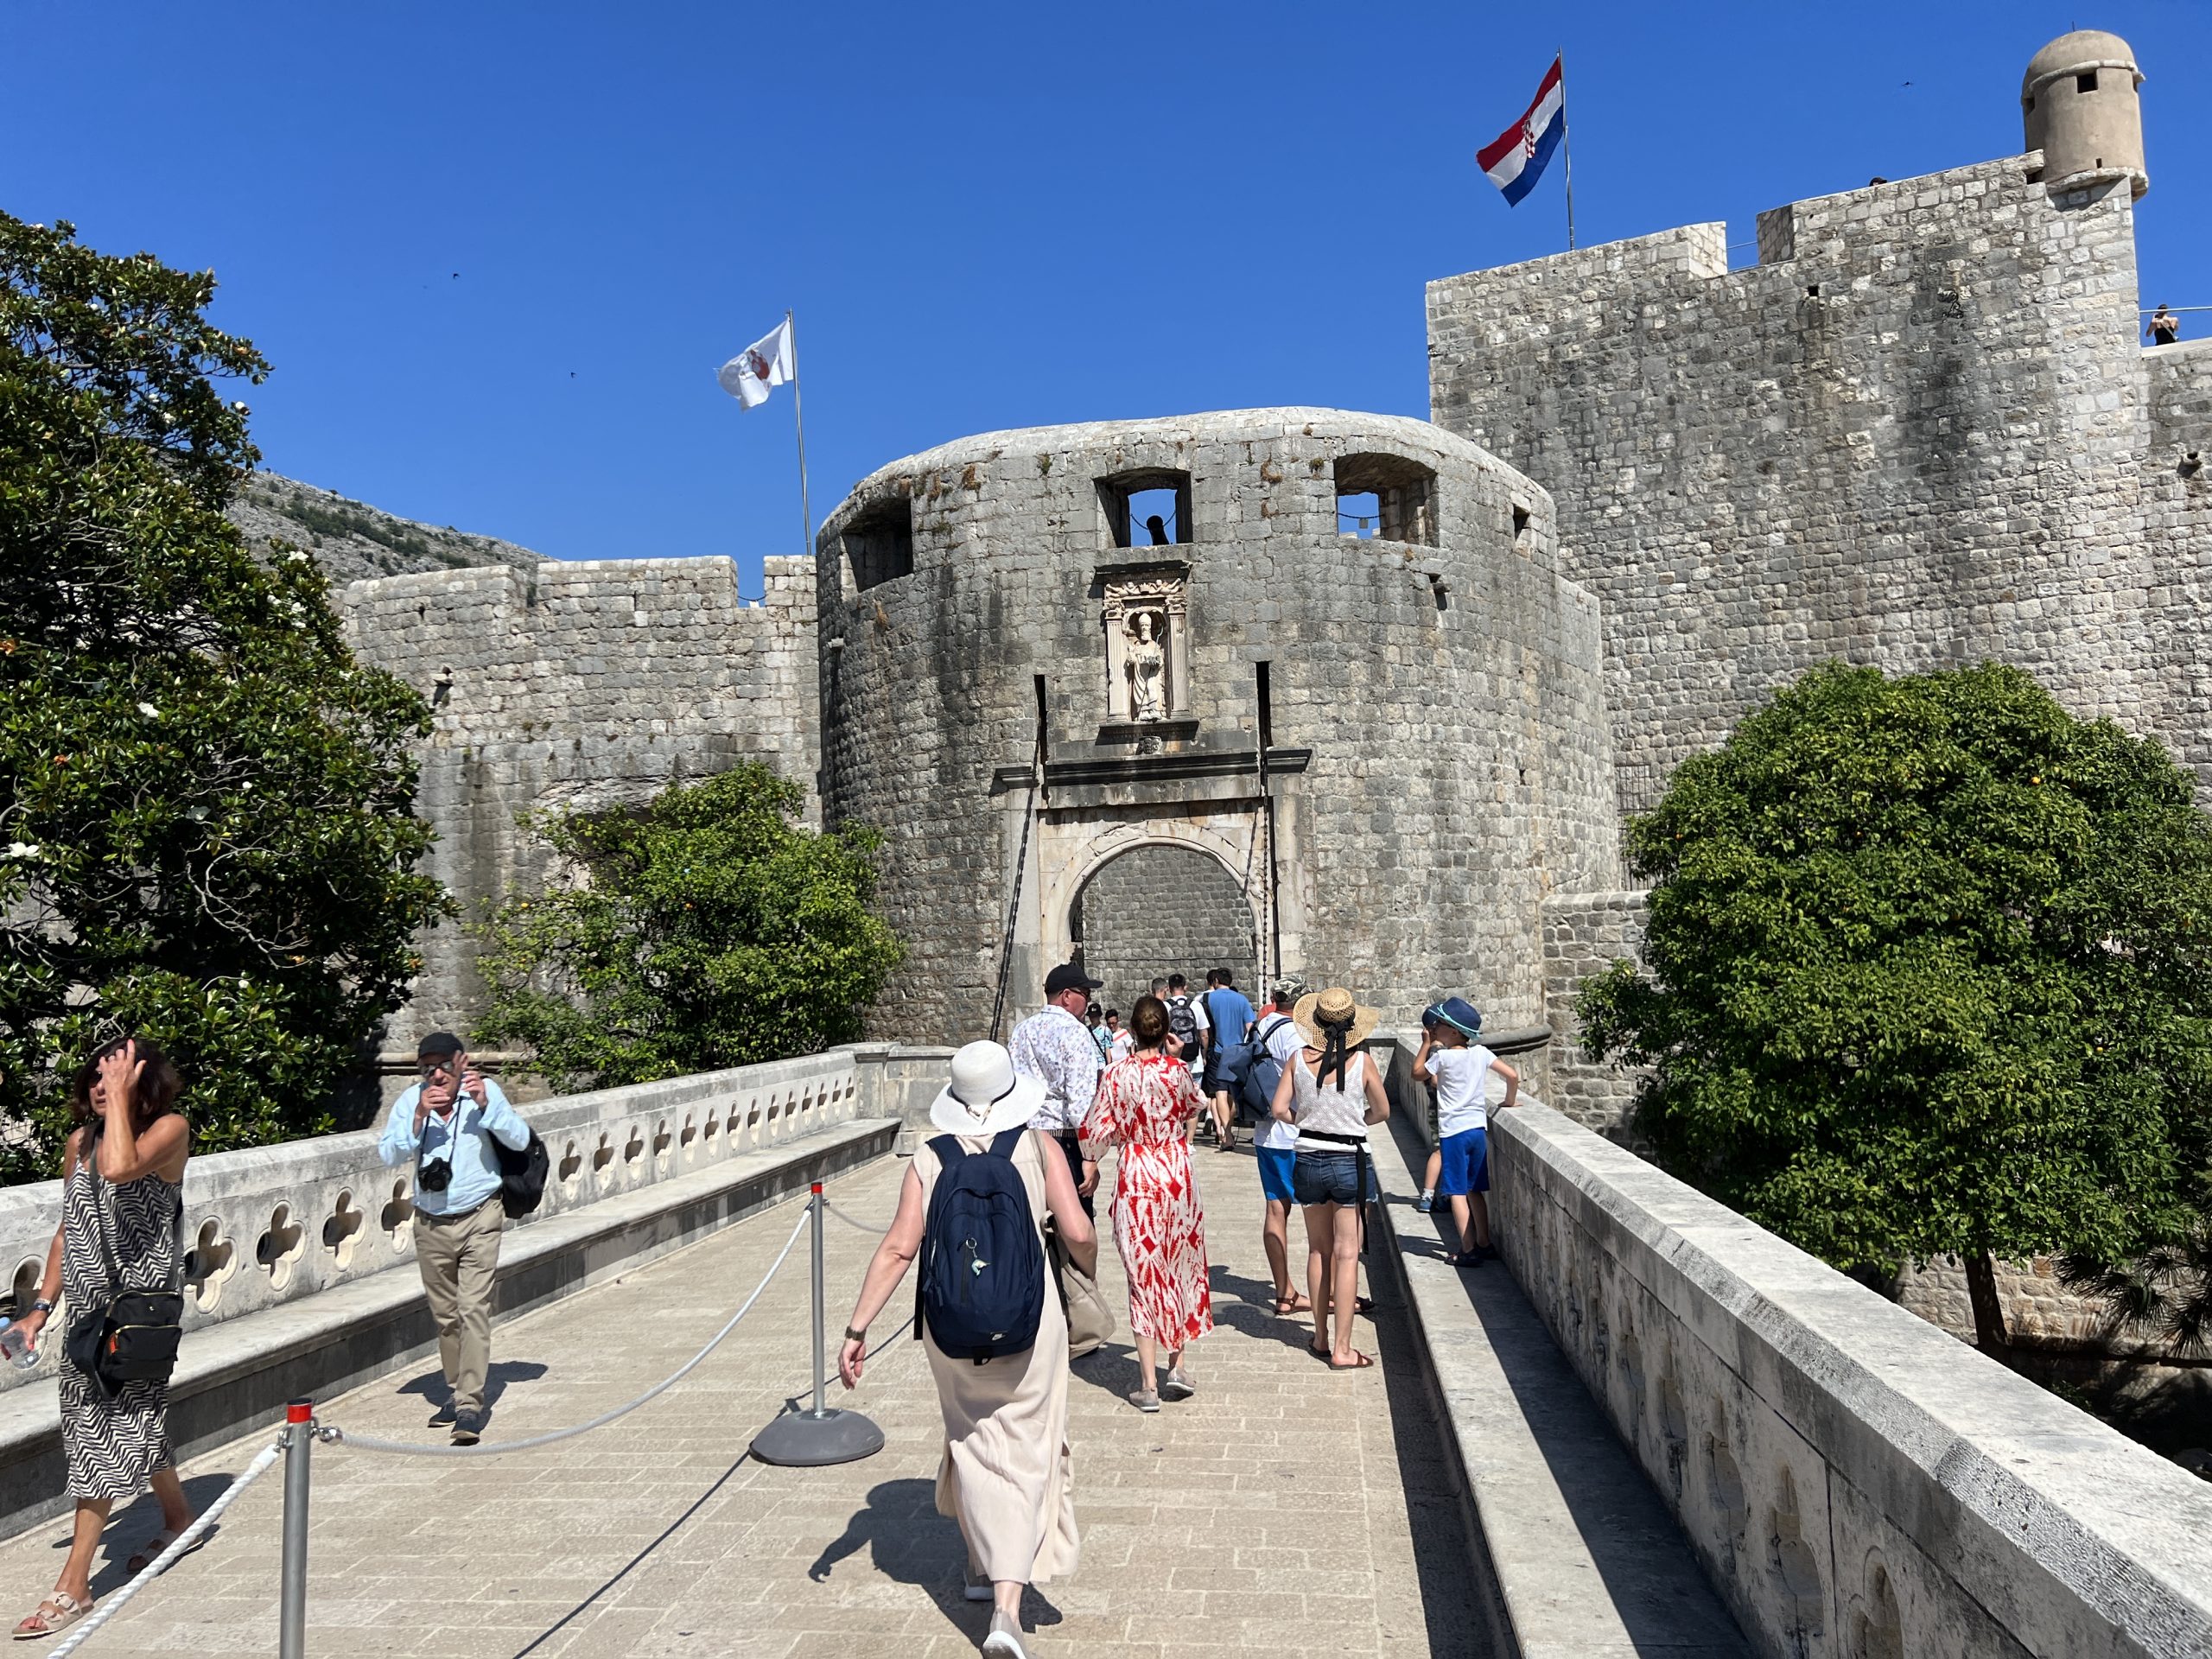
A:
{"x": 1158, "y": 910}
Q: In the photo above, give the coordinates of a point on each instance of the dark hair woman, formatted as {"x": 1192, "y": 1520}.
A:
{"x": 1333, "y": 1093}
{"x": 1144, "y": 1106}
{"x": 122, "y": 1204}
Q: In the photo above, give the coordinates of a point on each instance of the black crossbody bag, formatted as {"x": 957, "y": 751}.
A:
{"x": 133, "y": 1336}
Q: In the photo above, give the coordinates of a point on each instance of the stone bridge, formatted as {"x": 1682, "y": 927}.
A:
{"x": 1661, "y": 1430}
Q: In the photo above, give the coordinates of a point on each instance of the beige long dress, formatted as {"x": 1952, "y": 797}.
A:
{"x": 1008, "y": 1477}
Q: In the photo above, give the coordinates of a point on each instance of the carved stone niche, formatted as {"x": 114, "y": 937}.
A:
{"x": 1146, "y": 624}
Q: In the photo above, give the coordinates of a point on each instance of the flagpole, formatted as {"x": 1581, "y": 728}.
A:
{"x": 799, "y": 419}
{"x": 1566, "y": 148}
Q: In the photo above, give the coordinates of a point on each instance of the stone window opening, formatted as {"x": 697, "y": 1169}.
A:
{"x": 1396, "y": 496}
{"x": 1129, "y": 502}
{"x": 878, "y": 544}
{"x": 2085, "y": 81}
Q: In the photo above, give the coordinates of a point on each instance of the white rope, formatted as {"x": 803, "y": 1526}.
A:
{"x": 336, "y": 1436}
{"x": 854, "y": 1221}
{"x": 114, "y": 1604}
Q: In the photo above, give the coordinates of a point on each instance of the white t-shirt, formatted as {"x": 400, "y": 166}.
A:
{"x": 1462, "y": 1087}
{"x": 1283, "y": 1043}
{"x": 1125, "y": 1043}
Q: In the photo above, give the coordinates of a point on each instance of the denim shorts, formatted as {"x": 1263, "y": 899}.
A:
{"x": 1329, "y": 1178}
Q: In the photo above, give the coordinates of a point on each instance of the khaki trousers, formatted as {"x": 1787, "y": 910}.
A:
{"x": 459, "y": 1257}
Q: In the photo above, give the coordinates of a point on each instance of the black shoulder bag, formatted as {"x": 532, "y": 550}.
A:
{"x": 133, "y": 1336}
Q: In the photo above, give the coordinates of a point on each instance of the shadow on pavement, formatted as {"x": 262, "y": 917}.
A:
{"x": 909, "y": 1542}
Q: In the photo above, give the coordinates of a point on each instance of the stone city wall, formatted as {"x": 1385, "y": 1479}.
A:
{"x": 1915, "y": 434}
{"x": 1853, "y": 1482}
{"x": 580, "y": 685}
{"x": 1585, "y": 933}
{"x": 1441, "y": 755}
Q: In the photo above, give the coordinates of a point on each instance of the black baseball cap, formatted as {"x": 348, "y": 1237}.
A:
{"x": 1070, "y": 976}
{"x": 439, "y": 1042}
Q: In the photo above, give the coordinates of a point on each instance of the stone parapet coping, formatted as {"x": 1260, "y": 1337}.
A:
{"x": 1852, "y": 1479}
{"x": 233, "y": 1375}
{"x": 1577, "y": 1552}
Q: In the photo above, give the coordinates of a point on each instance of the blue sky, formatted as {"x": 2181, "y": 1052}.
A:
{"x": 495, "y": 252}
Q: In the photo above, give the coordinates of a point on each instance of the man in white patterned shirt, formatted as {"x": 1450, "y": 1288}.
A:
{"x": 1054, "y": 1046}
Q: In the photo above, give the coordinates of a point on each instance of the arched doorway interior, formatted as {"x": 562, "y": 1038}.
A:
{"x": 1158, "y": 910}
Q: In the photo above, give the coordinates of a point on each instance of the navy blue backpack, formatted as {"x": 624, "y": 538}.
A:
{"x": 981, "y": 1287}
{"x": 1249, "y": 1072}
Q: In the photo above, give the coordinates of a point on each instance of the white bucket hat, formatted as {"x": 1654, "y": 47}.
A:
{"x": 985, "y": 1094}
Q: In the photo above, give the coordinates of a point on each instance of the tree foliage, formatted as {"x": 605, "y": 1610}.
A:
{"x": 206, "y": 834}
{"x": 1927, "y": 973}
{"x": 709, "y": 930}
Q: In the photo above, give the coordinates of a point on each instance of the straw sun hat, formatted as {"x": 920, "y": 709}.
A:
{"x": 1317, "y": 1010}
{"x": 985, "y": 1094}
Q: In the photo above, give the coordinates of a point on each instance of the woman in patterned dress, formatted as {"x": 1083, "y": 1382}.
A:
{"x": 116, "y": 1446}
{"x": 1144, "y": 1105}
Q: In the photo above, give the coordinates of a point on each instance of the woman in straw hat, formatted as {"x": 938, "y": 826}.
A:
{"x": 1007, "y": 1476}
{"x": 1332, "y": 1092}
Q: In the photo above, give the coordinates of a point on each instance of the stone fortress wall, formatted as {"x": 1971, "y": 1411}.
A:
{"x": 578, "y": 685}
{"x": 1436, "y": 745}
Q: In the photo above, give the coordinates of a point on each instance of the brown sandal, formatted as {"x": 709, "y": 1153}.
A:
{"x": 1359, "y": 1361}
{"x": 36, "y": 1625}
{"x": 1296, "y": 1304}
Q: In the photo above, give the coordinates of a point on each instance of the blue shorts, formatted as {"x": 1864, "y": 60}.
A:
{"x": 1466, "y": 1163}
{"x": 1329, "y": 1178}
{"x": 1275, "y": 1164}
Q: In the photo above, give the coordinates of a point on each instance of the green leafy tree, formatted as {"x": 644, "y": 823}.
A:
{"x": 1927, "y": 972}
{"x": 206, "y": 832}
{"x": 709, "y": 930}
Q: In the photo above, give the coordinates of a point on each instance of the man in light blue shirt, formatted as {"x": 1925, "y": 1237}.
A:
{"x": 446, "y": 1124}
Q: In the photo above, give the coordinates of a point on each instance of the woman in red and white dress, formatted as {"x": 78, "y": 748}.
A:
{"x": 1144, "y": 1106}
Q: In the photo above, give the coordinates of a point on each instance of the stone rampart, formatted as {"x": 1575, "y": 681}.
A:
{"x": 1433, "y": 707}
{"x": 1915, "y": 434}
{"x": 1585, "y": 933}
{"x": 1853, "y": 1481}
{"x": 580, "y": 685}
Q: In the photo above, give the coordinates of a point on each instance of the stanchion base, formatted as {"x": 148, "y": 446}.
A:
{"x": 800, "y": 1439}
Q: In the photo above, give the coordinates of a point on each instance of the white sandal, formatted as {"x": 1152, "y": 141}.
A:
{"x": 67, "y": 1606}
{"x": 1005, "y": 1640}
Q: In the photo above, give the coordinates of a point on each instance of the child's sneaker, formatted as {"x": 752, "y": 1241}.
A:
{"x": 1426, "y": 1202}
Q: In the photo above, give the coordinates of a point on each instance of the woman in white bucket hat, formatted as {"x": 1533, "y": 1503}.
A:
{"x": 1007, "y": 1476}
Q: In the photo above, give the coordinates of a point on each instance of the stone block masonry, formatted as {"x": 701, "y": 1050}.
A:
{"x": 1918, "y": 434}
{"x": 1585, "y": 933}
{"x": 579, "y": 686}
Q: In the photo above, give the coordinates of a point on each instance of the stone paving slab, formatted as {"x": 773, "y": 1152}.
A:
{"x": 1286, "y": 1508}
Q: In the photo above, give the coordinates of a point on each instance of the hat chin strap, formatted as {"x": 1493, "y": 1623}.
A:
{"x": 984, "y": 1110}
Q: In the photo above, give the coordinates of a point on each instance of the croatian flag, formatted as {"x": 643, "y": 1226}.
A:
{"x": 1515, "y": 159}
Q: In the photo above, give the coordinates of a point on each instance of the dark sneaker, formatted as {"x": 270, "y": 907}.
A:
{"x": 467, "y": 1431}
{"x": 442, "y": 1415}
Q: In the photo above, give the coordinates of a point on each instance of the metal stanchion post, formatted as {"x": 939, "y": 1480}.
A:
{"x": 804, "y": 1439}
{"x": 292, "y": 1614}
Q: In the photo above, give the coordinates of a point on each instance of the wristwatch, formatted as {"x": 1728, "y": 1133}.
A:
{"x": 41, "y": 1306}
{"x": 852, "y": 1335}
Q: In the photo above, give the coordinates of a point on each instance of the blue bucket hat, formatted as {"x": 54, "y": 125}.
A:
{"x": 1461, "y": 1015}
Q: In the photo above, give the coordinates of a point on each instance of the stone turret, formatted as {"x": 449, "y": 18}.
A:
{"x": 2079, "y": 104}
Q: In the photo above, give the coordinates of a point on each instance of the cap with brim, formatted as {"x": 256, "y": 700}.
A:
{"x": 1070, "y": 976}
{"x": 439, "y": 1042}
{"x": 1318, "y": 1010}
{"x": 985, "y": 1094}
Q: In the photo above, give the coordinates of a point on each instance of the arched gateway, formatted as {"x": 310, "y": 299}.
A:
{"x": 1161, "y": 909}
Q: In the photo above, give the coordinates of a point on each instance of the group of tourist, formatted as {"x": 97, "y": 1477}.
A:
{"x": 117, "y": 1267}
{"x": 1077, "y": 1081}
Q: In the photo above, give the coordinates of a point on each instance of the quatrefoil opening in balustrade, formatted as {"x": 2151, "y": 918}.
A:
{"x": 280, "y": 1246}
{"x": 342, "y": 1231}
{"x": 397, "y": 1217}
{"x": 208, "y": 1265}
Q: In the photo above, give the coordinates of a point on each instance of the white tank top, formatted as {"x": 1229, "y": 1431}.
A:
{"x": 1314, "y": 1107}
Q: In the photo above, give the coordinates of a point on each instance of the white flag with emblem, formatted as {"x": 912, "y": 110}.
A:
{"x": 769, "y": 361}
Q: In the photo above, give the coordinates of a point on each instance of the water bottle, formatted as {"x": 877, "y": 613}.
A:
{"x": 16, "y": 1344}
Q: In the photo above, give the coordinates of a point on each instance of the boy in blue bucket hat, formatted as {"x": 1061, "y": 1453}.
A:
{"x": 1453, "y": 1063}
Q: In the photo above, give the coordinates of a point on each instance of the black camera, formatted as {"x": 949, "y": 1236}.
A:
{"x": 435, "y": 1178}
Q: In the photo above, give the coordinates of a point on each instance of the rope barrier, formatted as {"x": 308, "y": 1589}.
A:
{"x": 854, "y": 1221}
{"x": 331, "y": 1434}
{"x": 115, "y": 1603}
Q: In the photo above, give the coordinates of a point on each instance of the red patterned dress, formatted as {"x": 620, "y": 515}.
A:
{"x": 1143, "y": 1106}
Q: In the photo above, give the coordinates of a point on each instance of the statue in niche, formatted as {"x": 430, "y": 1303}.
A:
{"x": 1147, "y": 666}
